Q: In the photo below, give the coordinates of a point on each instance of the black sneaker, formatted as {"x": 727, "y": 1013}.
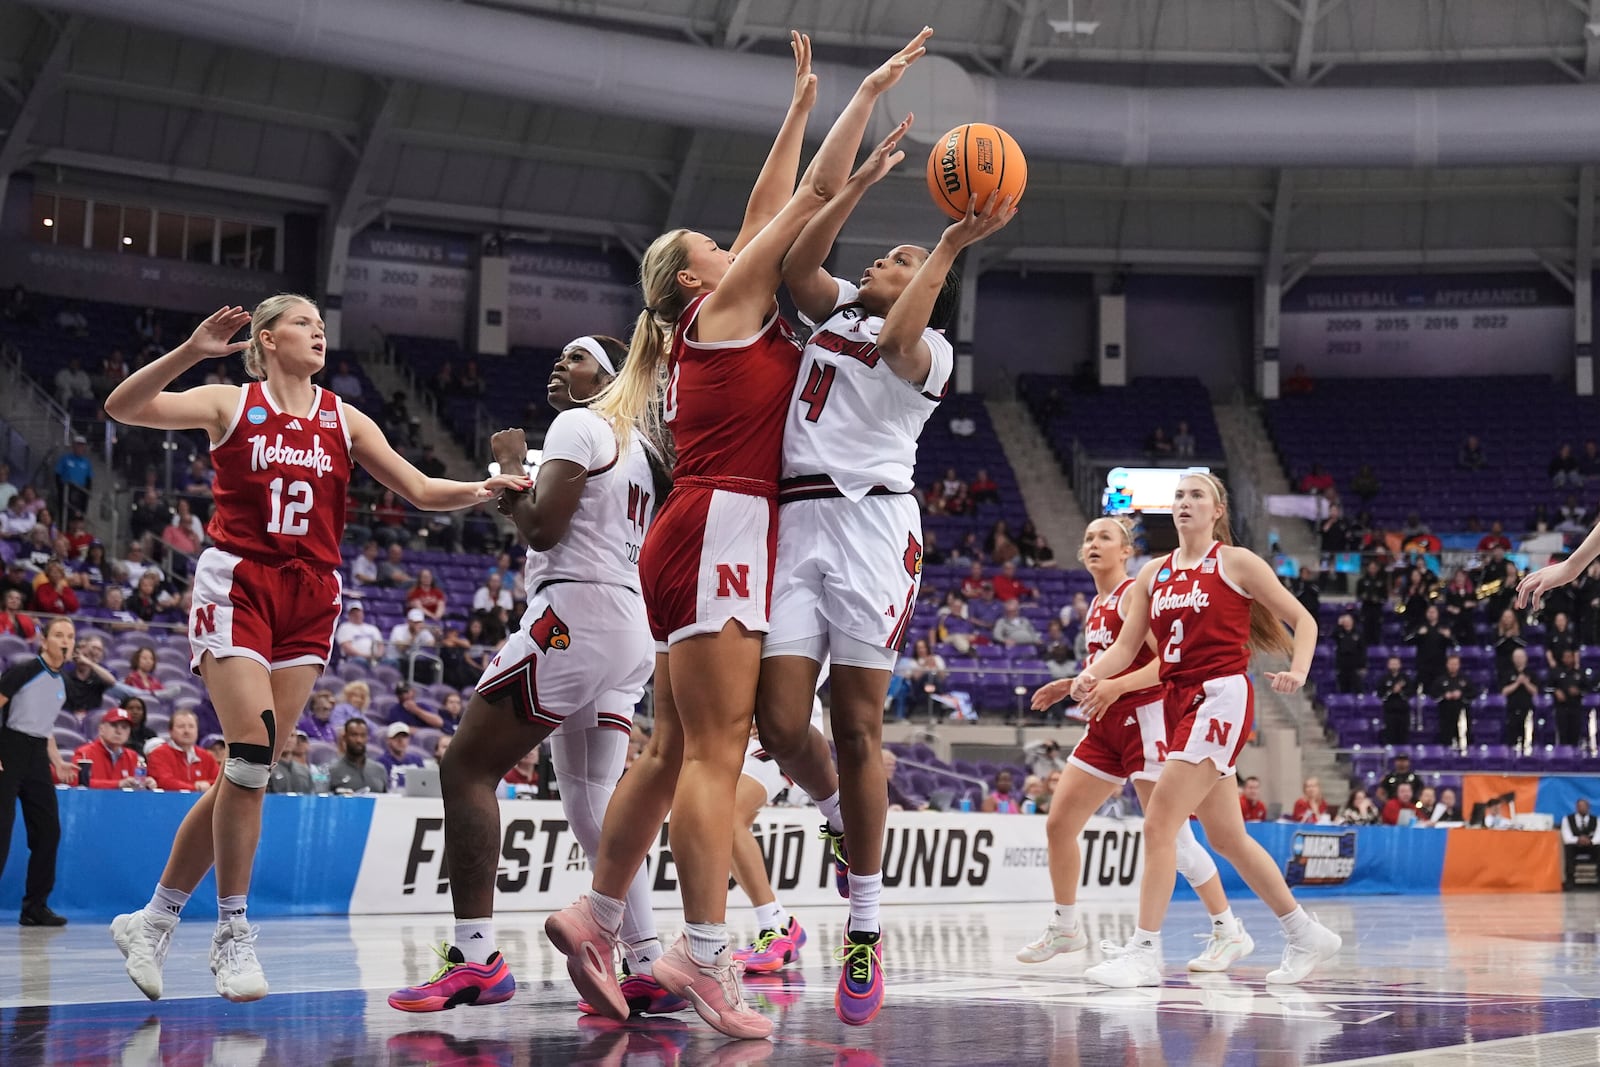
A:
{"x": 40, "y": 915}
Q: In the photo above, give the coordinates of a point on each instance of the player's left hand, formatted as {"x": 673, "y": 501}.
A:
{"x": 509, "y": 447}
{"x": 1532, "y": 588}
{"x": 517, "y": 483}
{"x": 892, "y": 70}
{"x": 1052, "y": 693}
{"x": 886, "y": 156}
{"x": 996, "y": 213}
{"x": 1286, "y": 681}
{"x": 805, "y": 82}
{"x": 1099, "y": 701}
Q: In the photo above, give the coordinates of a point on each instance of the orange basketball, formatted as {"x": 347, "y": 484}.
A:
{"x": 973, "y": 161}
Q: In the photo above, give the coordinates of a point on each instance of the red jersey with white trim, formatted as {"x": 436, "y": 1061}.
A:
{"x": 281, "y": 479}
{"x": 1100, "y": 632}
{"x": 1201, "y": 620}
{"x": 726, "y": 400}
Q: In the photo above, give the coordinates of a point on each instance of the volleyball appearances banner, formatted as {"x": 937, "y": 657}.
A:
{"x": 928, "y": 857}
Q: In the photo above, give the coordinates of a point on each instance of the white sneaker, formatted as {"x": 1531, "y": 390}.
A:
{"x": 1301, "y": 955}
{"x": 143, "y": 940}
{"x": 233, "y": 961}
{"x": 1223, "y": 950}
{"x": 1053, "y": 942}
{"x": 1133, "y": 966}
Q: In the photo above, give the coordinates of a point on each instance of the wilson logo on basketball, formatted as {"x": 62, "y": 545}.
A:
{"x": 549, "y": 632}
{"x": 947, "y": 162}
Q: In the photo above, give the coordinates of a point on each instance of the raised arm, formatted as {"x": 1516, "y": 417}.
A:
{"x": 1536, "y": 584}
{"x": 141, "y": 399}
{"x": 814, "y": 290}
{"x": 372, "y": 450}
{"x": 775, "y": 184}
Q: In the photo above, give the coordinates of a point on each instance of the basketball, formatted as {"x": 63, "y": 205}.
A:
{"x": 975, "y": 160}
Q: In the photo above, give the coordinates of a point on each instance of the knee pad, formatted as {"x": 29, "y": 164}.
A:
{"x": 1194, "y": 862}
{"x": 250, "y": 766}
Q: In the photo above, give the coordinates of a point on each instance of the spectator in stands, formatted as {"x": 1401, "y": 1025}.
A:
{"x": 355, "y": 700}
{"x": 1470, "y": 455}
{"x": 142, "y": 671}
{"x": 353, "y": 772}
{"x": 957, "y": 621}
{"x": 78, "y": 540}
{"x": 346, "y": 382}
{"x": 407, "y": 710}
{"x": 114, "y": 765}
{"x": 1507, "y": 639}
{"x": 970, "y": 550}
{"x": 1057, "y": 652}
{"x": 441, "y": 745}
{"x": 292, "y": 774}
{"x": 136, "y": 562}
{"x": 1497, "y": 587}
{"x": 1007, "y": 586}
{"x": 983, "y": 489}
{"x": 1311, "y": 807}
{"x": 1519, "y": 684}
{"x": 215, "y": 745}
{"x": 194, "y": 531}
{"x": 1365, "y": 484}
{"x": 317, "y": 721}
{"x": 72, "y": 383}
{"x": 88, "y": 683}
{"x": 197, "y": 481}
{"x": 148, "y": 599}
{"x": 1299, "y": 382}
{"x": 526, "y": 772}
{"x": 359, "y": 641}
{"x": 927, "y": 669}
{"x": 1563, "y": 468}
{"x": 1014, "y": 628}
{"x": 494, "y": 596}
{"x": 114, "y": 610}
{"x": 1004, "y": 800}
{"x": 1587, "y": 597}
{"x": 18, "y": 307}
{"x": 364, "y": 567}
{"x": 1359, "y": 810}
{"x": 1316, "y": 480}
{"x": 933, "y": 555}
{"x": 1158, "y": 445}
{"x": 392, "y": 573}
{"x": 1250, "y": 802}
{"x": 75, "y": 475}
{"x": 444, "y": 381}
{"x": 1432, "y": 640}
{"x": 1334, "y": 532}
{"x": 999, "y": 546}
{"x": 1183, "y": 442}
{"x": 1559, "y": 638}
{"x": 430, "y": 464}
{"x": 15, "y": 621}
{"x": 409, "y": 637}
{"x": 113, "y": 369}
{"x": 146, "y": 325}
{"x": 428, "y": 596}
{"x": 150, "y": 516}
{"x": 1566, "y": 685}
{"x": 178, "y": 766}
{"x": 1570, "y": 517}
{"x": 397, "y": 751}
{"x": 7, "y": 489}
{"x": 949, "y": 495}
{"x": 471, "y": 384}
{"x": 975, "y": 586}
{"x": 389, "y": 520}
{"x": 1445, "y": 809}
{"x": 1401, "y": 801}
{"x": 1400, "y": 774}
{"x": 139, "y": 732}
{"x": 1350, "y": 653}
{"x": 1306, "y": 592}
{"x": 1460, "y": 607}
{"x": 450, "y": 709}
{"x": 1414, "y": 527}
{"x": 1454, "y": 693}
{"x": 16, "y": 522}
{"x": 93, "y": 566}
{"x": 53, "y": 593}
{"x": 1577, "y": 838}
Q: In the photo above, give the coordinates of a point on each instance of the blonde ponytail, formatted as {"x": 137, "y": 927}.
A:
{"x": 266, "y": 314}
{"x": 633, "y": 399}
{"x": 1268, "y": 635}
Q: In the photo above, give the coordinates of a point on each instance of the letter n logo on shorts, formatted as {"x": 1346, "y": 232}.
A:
{"x": 1217, "y": 732}
{"x": 1161, "y": 751}
{"x": 733, "y": 580}
{"x": 205, "y": 619}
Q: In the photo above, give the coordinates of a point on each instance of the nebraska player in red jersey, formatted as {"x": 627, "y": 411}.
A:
{"x": 266, "y": 597}
{"x": 1127, "y": 738}
{"x": 1208, "y": 605}
{"x": 711, "y": 326}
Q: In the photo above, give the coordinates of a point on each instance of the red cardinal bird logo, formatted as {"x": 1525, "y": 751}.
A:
{"x": 549, "y": 632}
{"x": 913, "y": 557}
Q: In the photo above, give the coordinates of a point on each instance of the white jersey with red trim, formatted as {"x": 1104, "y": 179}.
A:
{"x": 614, "y": 509}
{"x": 852, "y": 418}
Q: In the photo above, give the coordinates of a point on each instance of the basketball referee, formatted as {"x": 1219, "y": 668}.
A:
{"x": 31, "y": 695}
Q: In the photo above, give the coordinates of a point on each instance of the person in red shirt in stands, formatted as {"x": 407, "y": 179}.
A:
{"x": 51, "y": 593}
{"x": 1311, "y": 807}
{"x": 975, "y": 586}
{"x": 115, "y": 765}
{"x": 1007, "y": 586}
{"x": 177, "y": 766}
{"x": 526, "y": 772}
{"x": 1401, "y": 800}
{"x": 14, "y": 621}
{"x": 1250, "y": 802}
{"x": 427, "y": 595}
{"x": 1495, "y": 538}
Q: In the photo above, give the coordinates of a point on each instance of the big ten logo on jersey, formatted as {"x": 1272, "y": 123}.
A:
{"x": 733, "y": 580}
{"x": 528, "y": 847}
{"x": 638, "y": 518}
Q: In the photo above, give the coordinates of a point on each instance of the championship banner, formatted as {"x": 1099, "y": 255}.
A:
{"x": 1464, "y": 324}
{"x": 406, "y": 282}
{"x": 558, "y": 292}
{"x": 929, "y": 857}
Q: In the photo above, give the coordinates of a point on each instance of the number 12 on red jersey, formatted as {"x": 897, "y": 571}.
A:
{"x": 289, "y": 516}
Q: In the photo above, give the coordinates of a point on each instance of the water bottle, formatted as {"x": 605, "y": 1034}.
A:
{"x": 966, "y": 803}
{"x": 319, "y": 778}
{"x": 1029, "y": 807}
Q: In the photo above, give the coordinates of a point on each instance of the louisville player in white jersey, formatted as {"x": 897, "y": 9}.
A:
{"x": 1208, "y": 605}
{"x": 266, "y": 595}
{"x": 576, "y": 667}
{"x": 1127, "y": 739}
{"x": 849, "y": 559}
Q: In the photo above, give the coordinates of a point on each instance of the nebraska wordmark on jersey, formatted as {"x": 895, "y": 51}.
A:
{"x": 852, "y": 417}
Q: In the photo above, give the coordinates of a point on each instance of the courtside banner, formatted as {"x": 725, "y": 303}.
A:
{"x": 929, "y": 857}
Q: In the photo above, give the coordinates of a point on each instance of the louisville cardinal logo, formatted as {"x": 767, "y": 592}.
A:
{"x": 913, "y": 557}
{"x": 548, "y": 631}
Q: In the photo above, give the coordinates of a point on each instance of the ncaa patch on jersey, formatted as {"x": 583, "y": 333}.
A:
{"x": 1164, "y": 575}
{"x": 257, "y": 415}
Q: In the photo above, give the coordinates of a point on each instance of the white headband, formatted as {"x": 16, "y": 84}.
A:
{"x": 597, "y": 350}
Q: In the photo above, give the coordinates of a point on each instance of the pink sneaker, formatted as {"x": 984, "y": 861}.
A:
{"x": 773, "y": 950}
{"x": 644, "y": 996}
{"x": 714, "y": 992}
{"x": 458, "y": 982}
{"x": 590, "y": 950}
{"x": 860, "y": 992}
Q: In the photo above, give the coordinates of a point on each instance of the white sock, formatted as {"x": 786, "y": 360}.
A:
{"x": 1066, "y": 917}
{"x": 607, "y": 910}
{"x": 475, "y": 939}
{"x": 230, "y": 908}
{"x": 864, "y": 892}
{"x": 642, "y": 956}
{"x": 830, "y": 811}
{"x": 708, "y": 943}
{"x": 771, "y": 917}
{"x": 1296, "y": 924}
{"x": 166, "y": 904}
{"x": 1224, "y": 922}
{"x": 1150, "y": 939}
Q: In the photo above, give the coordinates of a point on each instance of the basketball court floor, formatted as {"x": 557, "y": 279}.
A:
{"x": 1463, "y": 981}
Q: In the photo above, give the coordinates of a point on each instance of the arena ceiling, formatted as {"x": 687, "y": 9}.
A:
{"x": 91, "y": 102}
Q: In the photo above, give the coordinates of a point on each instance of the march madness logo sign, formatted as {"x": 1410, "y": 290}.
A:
{"x": 1321, "y": 859}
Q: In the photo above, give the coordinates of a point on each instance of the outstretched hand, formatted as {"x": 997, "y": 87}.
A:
{"x": 891, "y": 71}
{"x": 1052, "y": 693}
{"x": 210, "y": 339}
{"x": 978, "y": 225}
{"x": 805, "y": 82}
{"x": 517, "y": 483}
{"x": 1534, "y": 585}
{"x": 886, "y": 156}
{"x": 1285, "y": 681}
